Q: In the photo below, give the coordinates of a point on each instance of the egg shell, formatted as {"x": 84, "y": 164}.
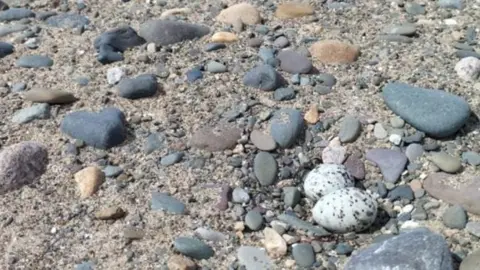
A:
{"x": 326, "y": 178}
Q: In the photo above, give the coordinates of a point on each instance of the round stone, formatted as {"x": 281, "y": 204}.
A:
{"x": 455, "y": 217}
{"x": 262, "y": 141}
{"x": 253, "y": 220}
{"x": 265, "y": 168}
{"x": 468, "y": 68}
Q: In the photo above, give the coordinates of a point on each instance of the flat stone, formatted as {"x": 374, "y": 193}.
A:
{"x": 216, "y": 67}
{"x": 34, "y": 61}
{"x": 88, "y": 181}
{"x": 265, "y": 168}
{"x": 473, "y": 227}
{"x": 139, "y": 87}
{"x": 291, "y": 196}
{"x": 21, "y": 164}
{"x": 274, "y": 243}
{"x": 10, "y": 29}
{"x": 253, "y": 258}
{"x": 68, "y": 20}
{"x": 455, "y": 217}
{"x": 414, "y": 151}
{"x": 210, "y": 235}
{"x": 451, "y": 4}
{"x": 50, "y": 96}
{"x": 281, "y": 42}
{"x": 224, "y": 37}
{"x": 284, "y": 93}
{"x": 391, "y": 162}
{"x": 194, "y": 75}
{"x": 379, "y": 131}
{"x": 302, "y": 225}
{"x": 15, "y": 14}
{"x": 415, "y": 9}
{"x": 472, "y": 158}
{"x": 193, "y": 248}
{"x": 110, "y": 213}
{"x": 263, "y": 77}
{"x": 334, "y": 52}
{"x": 350, "y": 129}
{"x": 293, "y": 10}
{"x": 242, "y": 12}
{"x": 446, "y": 162}
{"x": 286, "y": 126}
{"x": 103, "y": 130}
{"x": 112, "y": 171}
{"x": 216, "y": 138}
{"x": 435, "y": 112}
{"x": 262, "y": 141}
{"x": 166, "y": 32}
{"x": 253, "y": 220}
{"x": 455, "y": 189}
{"x": 171, "y": 159}
{"x": 400, "y": 192}
{"x": 471, "y": 262}
{"x": 355, "y": 167}
{"x": 210, "y": 47}
{"x": 37, "y": 111}
{"x": 163, "y": 201}
{"x": 303, "y": 254}
{"x": 464, "y": 53}
{"x": 413, "y": 249}
{"x": 294, "y": 63}
{"x": 110, "y": 44}
{"x": 406, "y": 29}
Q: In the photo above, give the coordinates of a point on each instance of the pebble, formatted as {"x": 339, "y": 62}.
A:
{"x": 355, "y": 167}
{"x": 103, "y": 130}
{"x": 110, "y": 44}
{"x": 194, "y": 74}
{"x": 255, "y": 42}
{"x": 210, "y": 47}
{"x": 446, "y": 162}
{"x": 216, "y": 138}
{"x": 210, "y": 235}
{"x": 34, "y": 61}
{"x": 263, "y": 141}
{"x": 334, "y": 154}
{"x": 452, "y": 4}
{"x": 397, "y": 122}
{"x": 303, "y": 254}
{"x": 239, "y": 195}
{"x": 114, "y": 75}
{"x": 294, "y": 63}
{"x": 193, "y": 248}
{"x": 266, "y": 54}
{"x": 414, "y": 151}
{"x": 350, "y": 129}
{"x": 325, "y": 79}
{"x": 166, "y": 32}
{"x": 435, "y": 112}
{"x": 401, "y": 192}
{"x": 379, "y": 131}
{"x": 415, "y": 9}
{"x": 89, "y": 181}
{"x": 253, "y": 258}
{"x": 8, "y": 29}
{"x": 15, "y": 14}
{"x": 291, "y": 196}
{"x": 293, "y": 10}
{"x": 395, "y": 139}
{"x": 414, "y": 249}
{"x": 265, "y": 168}
{"x": 325, "y": 179}
{"x": 455, "y": 217}
{"x": 21, "y": 164}
{"x": 282, "y": 94}
{"x": 162, "y": 201}
{"x": 343, "y": 249}
{"x": 223, "y": 37}
{"x": 6, "y": 49}
{"x": 18, "y": 87}
{"x": 281, "y": 42}
{"x": 274, "y": 243}
{"x": 177, "y": 262}
{"x": 463, "y": 53}
{"x": 216, "y": 67}
{"x": 358, "y": 208}
{"x": 406, "y": 29}
{"x": 262, "y": 77}
{"x": 286, "y": 125}
{"x": 68, "y": 20}
{"x": 37, "y": 111}
{"x": 110, "y": 213}
{"x": 472, "y": 158}
{"x": 468, "y": 68}
{"x": 311, "y": 116}
{"x": 242, "y": 12}
{"x": 112, "y": 171}
{"x": 141, "y": 86}
{"x": 334, "y": 52}
{"x": 171, "y": 159}
{"x": 50, "y": 96}
{"x": 391, "y": 162}
{"x": 85, "y": 266}
{"x": 253, "y": 220}
{"x": 302, "y": 225}
{"x": 471, "y": 262}
{"x": 473, "y": 227}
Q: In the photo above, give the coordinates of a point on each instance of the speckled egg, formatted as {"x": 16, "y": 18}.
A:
{"x": 326, "y": 178}
{"x": 346, "y": 210}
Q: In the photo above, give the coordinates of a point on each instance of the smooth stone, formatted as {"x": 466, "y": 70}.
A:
{"x": 154, "y": 142}
{"x": 303, "y": 254}
{"x": 293, "y": 10}
{"x": 471, "y": 262}
{"x": 406, "y": 29}
{"x": 281, "y": 42}
{"x": 50, "y": 96}
{"x": 350, "y": 129}
{"x": 325, "y": 179}
{"x": 455, "y": 217}
{"x": 166, "y": 32}
{"x": 294, "y": 63}
{"x": 401, "y": 192}
{"x": 397, "y": 122}
{"x": 468, "y": 68}
{"x": 239, "y": 195}
{"x": 193, "y": 248}
{"x": 417, "y": 137}
{"x": 255, "y": 42}
{"x": 396, "y": 38}
{"x": 103, "y": 130}
{"x": 291, "y": 196}
{"x": 379, "y": 131}
{"x": 216, "y": 67}
{"x": 253, "y": 258}
{"x": 263, "y": 77}
{"x": 452, "y": 4}
{"x": 282, "y": 94}
{"x": 446, "y": 162}
{"x": 415, "y": 9}
{"x": 266, "y": 54}
{"x": 112, "y": 171}
{"x": 11, "y": 28}
{"x": 171, "y": 159}
{"x": 455, "y": 189}
{"x": 15, "y": 14}
{"x": 413, "y": 152}
{"x": 355, "y": 167}
{"x": 114, "y": 75}
{"x": 326, "y": 79}
{"x": 265, "y": 168}
{"x": 275, "y": 245}
{"x": 414, "y": 249}
{"x": 471, "y": 158}
{"x": 334, "y": 154}
{"x": 162, "y": 201}
{"x": 68, "y": 20}
{"x": 210, "y": 235}
{"x": 139, "y": 87}
{"x": 216, "y": 138}
{"x": 473, "y": 227}
{"x": 111, "y": 43}
{"x": 18, "y": 87}
{"x": 463, "y": 54}
{"x": 253, "y": 220}
{"x": 21, "y": 164}
{"x": 302, "y": 225}
{"x": 435, "y": 112}
{"x": 194, "y": 74}
{"x": 286, "y": 126}
{"x": 37, "y": 111}
{"x": 6, "y": 49}
{"x": 391, "y": 163}
{"x": 343, "y": 249}
{"x": 244, "y": 13}
{"x": 34, "y": 61}
{"x": 263, "y": 141}
{"x": 334, "y": 52}
{"x": 210, "y": 47}
{"x": 358, "y": 210}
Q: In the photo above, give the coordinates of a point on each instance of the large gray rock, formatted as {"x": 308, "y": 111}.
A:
{"x": 15, "y": 14}
{"x": 166, "y": 32}
{"x": 418, "y": 249}
{"x": 435, "y": 112}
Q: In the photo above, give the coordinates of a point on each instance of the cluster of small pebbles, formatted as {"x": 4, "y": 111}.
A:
{"x": 166, "y": 134}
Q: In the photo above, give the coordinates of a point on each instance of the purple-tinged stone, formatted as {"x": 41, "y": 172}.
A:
{"x": 391, "y": 162}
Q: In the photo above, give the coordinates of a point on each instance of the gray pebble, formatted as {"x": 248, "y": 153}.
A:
{"x": 162, "y": 201}
{"x": 282, "y": 94}
{"x": 455, "y": 217}
{"x": 193, "y": 248}
{"x": 253, "y": 220}
{"x": 37, "y": 111}
{"x": 139, "y": 87}
{"x": 112, "y": 171}
{"x": 303, "y": 254}
{"x": 265, "y": 168}
{"x": 350, "y": 129}
{"x": 216, "y": 67}
{"x": 34, "y": 61}
{"x": 239, "y": 195}
{"x": 171, "y": 159}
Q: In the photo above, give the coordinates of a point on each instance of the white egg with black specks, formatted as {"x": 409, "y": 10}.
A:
{"x": 346, "y": 210}
{"x": 326, "y": 178}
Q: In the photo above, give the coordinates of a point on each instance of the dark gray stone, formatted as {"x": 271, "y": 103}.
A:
{"x": 34, "y": 61}
{"x": 6, "y": 49}
{"x": 162, "y": 201}
{"x": 253, "y": 220}
{"x": 36, "y": 111}
{"x": 350, "y": 129}
{"x": 412, "y": 250}
{"x": 193, "y": 248}
{"x": 112, "y": 171}
{"x": 302, "y": 225}
{"x": 293, "y": 62}
{"x": 103, "y": 130}
{"x": 463, "y": 53}
{"x": 303, "y": 254}
{"x": 284, "y": 93}
{"x": 139, "y": 87}
{"x": 401, "y": 192}
{"x": 68, "y": 20}
{"x": 286, "y": 126}
{"x": 214, "y": 46}
{"x": 265, "y": 168}
{"x": 166, "y": 32}
{"x": 326, "y": 79}
{"x": 109, "y": 45}
{"x": 435, "y": 112}
{"x": 455, "y": 217}
{"x": 263, "y": 77}
{"x": 15, "y": 14}
{"x": 171, "y": 159}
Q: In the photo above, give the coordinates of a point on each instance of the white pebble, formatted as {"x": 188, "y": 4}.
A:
{"x": 114, "y": 75}
{"x": 407, "y": 208}
{"x": 468, "y": 68}
{"x": 395, "y": 139}
{"x": 409, "y": 224}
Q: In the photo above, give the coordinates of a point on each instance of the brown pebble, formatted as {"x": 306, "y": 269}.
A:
{"x": 89, "y": 180}
{"x": 334, "y": 52}
{"x": 293, "y": 10}
{"x": 224, "y": 198}
{"x": 244, "y": 12}
{"x": 50, "y": 96}
{"x": 132, "y": 233}
{"x": 177, "y": 262}
{"x": 224, "y": 37}
{"x": 110, "y": 213}
{"x": 311, "y": 116}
